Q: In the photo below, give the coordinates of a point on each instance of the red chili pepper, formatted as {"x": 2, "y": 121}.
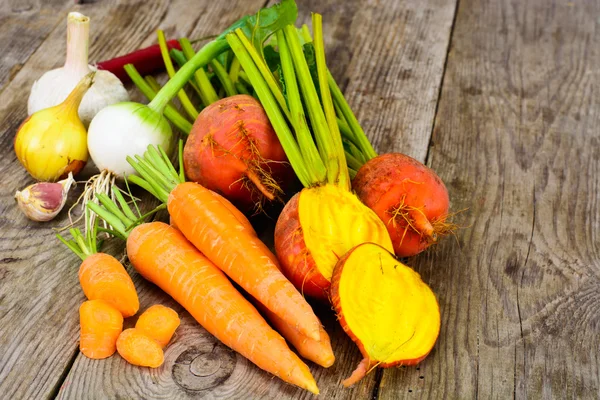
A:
{"x": 147, "y": 61}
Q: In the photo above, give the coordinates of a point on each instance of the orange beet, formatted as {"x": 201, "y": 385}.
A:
{"x": 159, "y": 323}
{"x": 233, "y": 150}
{"x": 137, "y": 348}
{"x": 409, "y": 198}
{"x": 101, "y": 325}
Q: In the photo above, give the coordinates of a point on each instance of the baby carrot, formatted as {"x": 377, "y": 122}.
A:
{"x": 159, "y": 323}
{"x": 102, "y": 277}
{"x": 101, "y": 325}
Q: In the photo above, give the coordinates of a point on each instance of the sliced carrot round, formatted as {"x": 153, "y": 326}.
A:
{"x": 158, "y": 322}
{"x": 140, "y": 349}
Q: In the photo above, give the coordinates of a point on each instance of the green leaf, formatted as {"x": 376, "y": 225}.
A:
{"x": 258, "y": 27}
{"x": 272, "y": 58}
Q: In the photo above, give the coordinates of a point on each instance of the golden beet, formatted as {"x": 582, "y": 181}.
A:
{"x": 385, "y": 308}
{"x": 316, "y": 227}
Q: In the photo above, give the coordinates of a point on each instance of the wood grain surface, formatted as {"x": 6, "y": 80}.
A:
{"x": 499, "y": 97}
{"x": 517, "y": 143}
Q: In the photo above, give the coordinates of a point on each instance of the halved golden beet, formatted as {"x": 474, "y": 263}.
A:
{"x": 385, "y": 308}
{"x": 318, "y": 226}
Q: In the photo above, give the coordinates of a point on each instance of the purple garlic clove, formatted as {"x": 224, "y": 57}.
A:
{"x": 43, "y": 201}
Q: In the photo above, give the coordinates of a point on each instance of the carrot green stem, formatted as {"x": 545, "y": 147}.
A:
{"x": 73, "y": 246}
{"x": 156, "y": 172}
{"x": 136, "y": 180}
{"x": 123, "y": 203}
{"x": 170, "y": 112}
{"x": 183, "y": 97}
{"x": 207, "y": 92}
{"x": 223, "y": 78}
{"x": 271, "y": 106}
{"x": 180, "y": 157}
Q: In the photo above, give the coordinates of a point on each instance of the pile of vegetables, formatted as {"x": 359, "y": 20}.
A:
{"x": 258, "y": 112}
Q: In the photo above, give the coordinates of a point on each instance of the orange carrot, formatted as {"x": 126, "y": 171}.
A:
{"x": 101, "y": 325}
{"x": 103, "y": 277}
{"x": 225, "y": 236}
{"x": 137, "y": 348}
{"x": 162, "y": 255}
{"x": 228, "y": 242}
{"x": 317, "y": 351}
{"x": 159, "y": 323}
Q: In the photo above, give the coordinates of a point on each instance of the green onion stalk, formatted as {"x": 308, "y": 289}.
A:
{"x": 325, "y": 220}
{"x": 126, "y": 129}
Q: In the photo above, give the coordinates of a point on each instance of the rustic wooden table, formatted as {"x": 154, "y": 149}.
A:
{"x": 500, "y": 97}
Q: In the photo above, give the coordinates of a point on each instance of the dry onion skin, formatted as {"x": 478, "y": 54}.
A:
{"x": 385, "y": 308}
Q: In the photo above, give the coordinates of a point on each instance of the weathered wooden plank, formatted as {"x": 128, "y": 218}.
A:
{"x": 25, "y": 24}
{"x": 240, "y": 379}
{"x": 516, "y": 140}
{"x": 39, "y": 290}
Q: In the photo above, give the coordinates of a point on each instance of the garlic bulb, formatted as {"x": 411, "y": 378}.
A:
{"x": 43, "y": 201}
{"x": 54, "y": 86}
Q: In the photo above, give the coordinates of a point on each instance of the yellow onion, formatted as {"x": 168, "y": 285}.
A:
{"x": 53, "y": 142}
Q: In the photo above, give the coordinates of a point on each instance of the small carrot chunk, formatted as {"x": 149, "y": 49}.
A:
{"x": 137, "y": 348}
{"x": 159, "y": 323}
{"x": 101, "y": 325}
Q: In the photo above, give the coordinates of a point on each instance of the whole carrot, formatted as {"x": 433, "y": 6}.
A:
{"x": 103, "y": 277}
{"x": 146, "y": 61}
{"x": 226, "y": 238}
{"x": 218, "y": 234}
{"x": 101, "y": 325}
{"x": 162, "y": 255}
{"x": 159, "y": 323}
